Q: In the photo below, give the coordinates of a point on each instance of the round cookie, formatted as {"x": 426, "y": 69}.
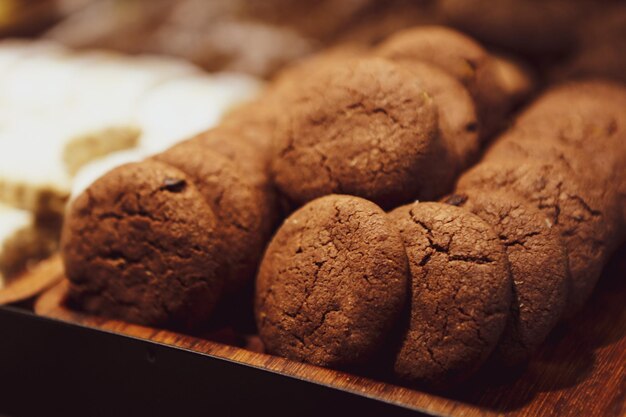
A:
{"x": 242, "y": 147}
{"x": 587, "y": 115}
{"x": 366, "y": 128}
{"x": 582, "y": 214}
{"x": 538, "y": 264}
{"x": 332, "y": 283}
{"x": 142, "y": 245}
{"x": 236, "y": 203}
{"x": 461, "y": 57}
{"x": 458, "y": 121}
{"x": 461, "y": 293}
{"x": 604, "y": 172}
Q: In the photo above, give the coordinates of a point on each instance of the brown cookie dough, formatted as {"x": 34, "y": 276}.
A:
{"x": 461, "y": 57}
{"x": 240, "y": 146}
{"x": 582, "y": 214}
{"x": 587, "y": 115}
{"x": 142, "y": 245}
{"x": 236, "y": 203}
{"x": 600, "y": 172}
{"x": 458, "y": 121}
{"x": 461, "y": 293}
{"x": 538, "y": 263}
{"x": 332, "y": 283}
{"x": 366, "y": 128}
{"x": 256, "y": 120}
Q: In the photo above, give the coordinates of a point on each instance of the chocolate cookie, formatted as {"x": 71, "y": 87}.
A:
{"x": 141, "y": 244}
{"x": 538, "y": 264}
{"x": 461, "y": 293}
{"x": 366, "y": 128}
{"x": 602, "y": 172}
{"x": 256, "y": 120}
{"x": 580, "y": 212}
{"x": 236, "y": 203}
{"x": 587, "y": 115}
{"x": 458, "y": 121}
{"x": 332, "y": 283}
{"x": 461, "y": 57}
{"x": 241, "y": 146}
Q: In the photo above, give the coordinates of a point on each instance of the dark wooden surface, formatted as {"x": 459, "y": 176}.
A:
{"x": 580, "y": 370}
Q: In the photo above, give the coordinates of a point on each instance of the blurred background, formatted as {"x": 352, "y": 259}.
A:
{"x": 566, "y": 37}
{"x": 86, "y": 85}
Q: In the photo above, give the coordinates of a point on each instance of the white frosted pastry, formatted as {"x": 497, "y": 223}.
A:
{"x": 181, "y": 108}
{"x": 61, "y": 110}
{"x": 12, "y": 51}
{"x": 38, "y": 158}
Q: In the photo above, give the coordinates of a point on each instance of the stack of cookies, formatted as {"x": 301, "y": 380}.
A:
{"x": 363, "y": 271}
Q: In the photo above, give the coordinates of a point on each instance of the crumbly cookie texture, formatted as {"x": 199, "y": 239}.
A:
{"x": 587, "y": 115}
{"x": 460, "y": 56}
{"x": 242, "y": 146}
{"x": 460, "y": 293}
{"x": 582, "y": 214}
{"x": 236, "y": 203}
{"x": 365, "y": 128}
{"x": 538, "y": 264}
{"x": 332, "y": 283}
{"x": 142, "y": 244}
{"x": 458, "y": 119}
{"x": 601, "y": 170}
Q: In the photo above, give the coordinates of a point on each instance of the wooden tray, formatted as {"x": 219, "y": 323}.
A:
{"x": 580, "y": 370}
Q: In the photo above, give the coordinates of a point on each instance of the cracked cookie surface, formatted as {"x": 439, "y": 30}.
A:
{"x": 332, "y": 283}
{"x": 236, "y": 203}
{"x": 458, "y": 121}
{"x": 581, "y": 212}
{"x": 366, "y": 128}
{"x": 141, "y": 244}
{"x": 538, "y": 264}
{"x": 461, "y": 57}
{"x": 461, "y": 293}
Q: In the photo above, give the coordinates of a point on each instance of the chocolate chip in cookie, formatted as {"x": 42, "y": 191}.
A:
{"x": 236, "y": 203}
{"x": 142, "y": 244}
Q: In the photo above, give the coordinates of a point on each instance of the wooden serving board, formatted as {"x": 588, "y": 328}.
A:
{"x": 580, "y": 370}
